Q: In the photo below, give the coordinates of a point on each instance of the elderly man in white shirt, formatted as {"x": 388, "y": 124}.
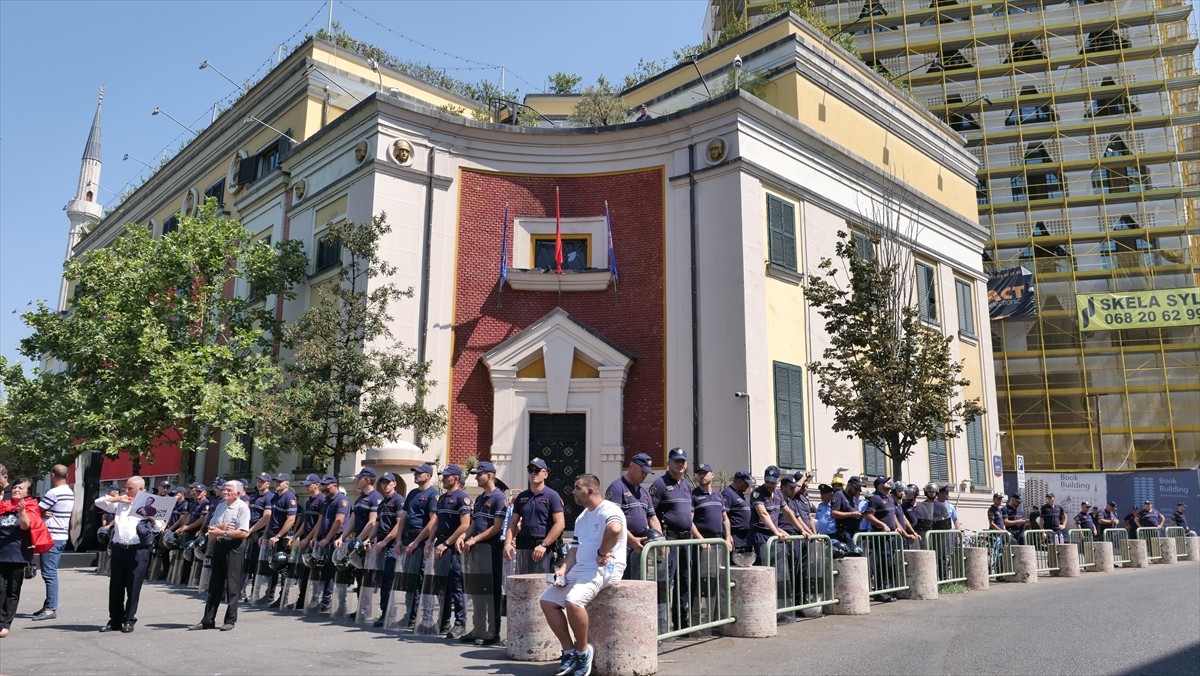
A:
{"x": 129, "y": 556}
{"x": 229, "y": 527}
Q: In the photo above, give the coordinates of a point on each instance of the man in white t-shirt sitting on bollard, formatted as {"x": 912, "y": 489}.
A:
{"x": 596, "y": 560}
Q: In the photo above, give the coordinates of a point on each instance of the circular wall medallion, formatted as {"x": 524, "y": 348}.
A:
{"x": 298, "y": 189}
{"x": 402, "y": 152}
{"x": 715, "y": 151}
{"x": 360, "y": 152}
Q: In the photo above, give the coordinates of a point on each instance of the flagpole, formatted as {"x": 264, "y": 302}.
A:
{"x": 503, "y": 257}
{"x": 558, "y": 252}
{"x": 612, "y": 255}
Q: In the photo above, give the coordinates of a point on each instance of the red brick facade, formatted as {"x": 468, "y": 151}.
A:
{"x": 636, "y": 202}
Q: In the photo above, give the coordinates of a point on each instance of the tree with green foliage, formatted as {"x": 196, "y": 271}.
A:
{"x": 345, "y": 373}
{"x": 153, "y": 342}
{"x": 890, "y": 378}
{"x": 563, "y": 83}
{"x": 600, "y": 105}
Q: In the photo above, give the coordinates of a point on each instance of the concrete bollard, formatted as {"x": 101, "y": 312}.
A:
{"x": 1068, "y": 560}
{"x": 1138, "y": 556}
{"x": 529, "y": 637}
{"x": 977, "y": 568}
{"x": 624, "y": 628}
{"x": 921, "y": 569}
{"x": 1192, "y": 551}
{"x": 753, "y": 602}
{"x": 1025, "y": 565}
{"x": 1168, "y": 547}
{"x": 853, "y": 586}
{"x": 1102, "y": 554}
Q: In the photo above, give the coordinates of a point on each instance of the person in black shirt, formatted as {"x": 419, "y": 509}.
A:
{"x": 1179, "y": 520}
{"x": 1054, "y": 519}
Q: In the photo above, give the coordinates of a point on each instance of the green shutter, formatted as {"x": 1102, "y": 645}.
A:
{"x": 781, "y": 228}
{"x": 789, "y": 416}
{"x": 975, "y": 453}
{"x": 939, "y": 470}
{"x": 875, "y": 462}
{"x": 966, "y": 308}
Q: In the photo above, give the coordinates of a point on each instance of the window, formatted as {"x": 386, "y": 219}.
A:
{"x": 1025, "y": 50}
{"x": 1042, "y": 250}
{"x": 329, "y": 253}
{"x": 966, "y": 307}
{"x": 959, "y": 121}
{"x": 254, "y": 294}
{"x": 926, "y": 293}
{"x": 250, "y": 169}
{"x": 864, "y": 245}
{"x": 1105, "y": 40}
{"x": 1118, "y": 104}
{"x": 871, "y": 8}
{"x": 575, "y": 253}
{"x": 939, "y": 468}
{"x": 1127, "y": 251}
{"x": 1130, "y": 178}
{"x": 981, "y": 191}
{"x": 875, "y": 462}
{"x": 976, "y": 457}
{"x": 781, "y": 230}
{"x": 1037, "y": 184}
{"x": 789, "y": 415}
{"x": 242, "y": 467}
{"x": 938, "y": 5}
{"x": 1030, "y": 114}
{"x": 170, "y": 225}
{"x": 955, "y": 61}
{"x": 216, "y": 190}
{"x": 269, "y": 158}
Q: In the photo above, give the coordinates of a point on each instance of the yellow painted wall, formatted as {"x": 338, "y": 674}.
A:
{"x": 551, "y": 104}
{"x": 355, "y": 66}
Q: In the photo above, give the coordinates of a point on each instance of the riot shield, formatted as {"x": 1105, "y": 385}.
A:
{"x": 406, "y": 590}
{"x": 344, "y": 603}
{"x": 368, "y": 590}
{"x": 263, "y": 577}
{"x": 205, "y": 562}
{"x": 434, "y": 585}
{"x": 482, "y": 586}
{"x": 710, "y": 595}
{"x": 523, "y": 563}
{"x": 318, "y": 560}
{"x": 291, "y": 578}
{"x": 175, "y": 556}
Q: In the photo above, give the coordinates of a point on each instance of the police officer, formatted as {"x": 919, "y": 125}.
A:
{"x": 281, "y": 519}
{"x": 766, "y": 502}
{"x": 163, "y": 487}
{"x": 387, "y": 537}
{"x": 847, "y": 516}
{"x": 805, "y": 512}
{"x": 1054, "y": 519}
{"x": 447, "y": 524}
{"x": 932, "y": 514}
{"x": 710, "y": 516}
{"x": 180, "y": 508}
{"x": 995, "y": 512}
{"x": 672, "y": 497}
{"x": 634, "y": 499}
{"x": 881, "y": 513}
{"x": 1149, "y": 517}
{"x": 487, "y": 522}
{"x": 737, "y": 507}
{"x": 419, "y": 507}
{"x": 793, "y": 518}
{"x": 1178, "y": 519}
{"x": 537, "y": 523}
{"x": 260, "y": 506}
{"x": 1108, "y": 518}
{"x": 306, "y": 534}
{"x": 826, "y": 524}
{"x": 337, "y": 510}
{"x": 1015, "y": 521}
{"x": 1084, "y": 520}
{"x": 902, "y": 525}
{"x": 363, "y": 517}
{"x": 191, "y": 524}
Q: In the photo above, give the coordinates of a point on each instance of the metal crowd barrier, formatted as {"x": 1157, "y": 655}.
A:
{"x": 1000, "y": 556}
{"x": 803, "y": 572}
{"x": 1153, "y": 542}
{"x": 1180, "y": 535}
{"x": 1119, "y": 537}
{"x": 693, "y": 584}
{"x": 951, "y": 556}
{"x": 885, "y": 561}
{"x": 1043, "y": 544}
{"x": 1082, "y": 538}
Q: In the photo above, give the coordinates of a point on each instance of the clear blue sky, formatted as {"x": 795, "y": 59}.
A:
{"x": 54, "y": 56}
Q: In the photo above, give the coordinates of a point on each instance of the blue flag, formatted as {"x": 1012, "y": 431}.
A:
{"x": 504, "y": 248}
{"x": 612, "y": 254}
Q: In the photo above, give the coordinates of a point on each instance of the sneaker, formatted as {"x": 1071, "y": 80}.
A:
{"x": 583, "y": 662}
{"x": 325, "y": 607}
{"x": 456, "y": 632}
{"x": 566, "y": 663}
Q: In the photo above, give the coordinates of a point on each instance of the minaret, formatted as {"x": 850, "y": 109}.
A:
{"x": 84, "y": 209}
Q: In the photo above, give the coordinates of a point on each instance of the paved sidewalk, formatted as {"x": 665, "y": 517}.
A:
{"x": 1087, "y": 627}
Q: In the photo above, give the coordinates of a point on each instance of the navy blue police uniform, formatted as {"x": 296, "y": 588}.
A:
{"x": 483, "y": 516}
{"x": 636, "y": 503}
{"x": 338, "y": 504}
{"x": 450, "y": 506}
{"x": 739, "y": 514}
{"x": 673, "y": 506}
{"x": 535, "y": 512}
{"x": 771, "y": 500}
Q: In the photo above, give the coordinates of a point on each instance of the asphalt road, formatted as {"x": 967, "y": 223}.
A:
{"x": 1127, "y": 622}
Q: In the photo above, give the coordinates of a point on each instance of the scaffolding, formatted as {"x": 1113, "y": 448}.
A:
{"x": 1084, "y": 117}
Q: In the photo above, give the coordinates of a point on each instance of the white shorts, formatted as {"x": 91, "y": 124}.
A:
{"x": 580, "y": 592}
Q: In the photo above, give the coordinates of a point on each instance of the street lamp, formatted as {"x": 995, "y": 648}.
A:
{"x": 158, "y": 111}
{"x": 131, "y": 157}
{"x": 375, "y": 67}
{"x": 205, "y": 64}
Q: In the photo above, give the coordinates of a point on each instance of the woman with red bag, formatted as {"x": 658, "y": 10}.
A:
{"x": 17, "y": 517}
